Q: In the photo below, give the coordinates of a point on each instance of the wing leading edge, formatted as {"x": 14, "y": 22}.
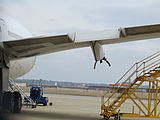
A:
{"x": 44, "y": 45}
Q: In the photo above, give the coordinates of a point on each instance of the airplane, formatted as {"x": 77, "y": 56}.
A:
{"x": 19, "y": 50}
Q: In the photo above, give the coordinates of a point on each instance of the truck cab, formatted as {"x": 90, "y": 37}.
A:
{"x": 36, "y": 94}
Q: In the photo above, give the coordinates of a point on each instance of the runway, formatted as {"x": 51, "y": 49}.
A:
{"x": 66, "y": 107}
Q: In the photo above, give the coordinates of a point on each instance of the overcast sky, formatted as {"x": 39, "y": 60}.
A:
{"x": 50, "y": 17}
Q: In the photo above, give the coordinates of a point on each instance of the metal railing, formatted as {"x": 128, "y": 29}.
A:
{"x": 13, "y": 85}
{"x": 137, "y": 70}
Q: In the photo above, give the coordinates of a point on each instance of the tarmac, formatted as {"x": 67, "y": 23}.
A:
{"x": 68, "y": 107}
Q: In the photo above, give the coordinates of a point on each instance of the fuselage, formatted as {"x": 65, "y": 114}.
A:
{"x": 11, "y": 30}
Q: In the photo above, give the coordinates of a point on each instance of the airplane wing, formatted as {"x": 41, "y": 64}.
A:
{"x": 43, "y": 45}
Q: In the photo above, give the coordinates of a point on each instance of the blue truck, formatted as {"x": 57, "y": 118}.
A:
{"x": 36, "y": 94}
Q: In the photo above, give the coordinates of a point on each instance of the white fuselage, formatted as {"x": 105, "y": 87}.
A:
{"x": 11, "y": 30}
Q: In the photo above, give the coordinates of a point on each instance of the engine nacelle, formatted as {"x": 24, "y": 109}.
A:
{"x": 98, "y": 53}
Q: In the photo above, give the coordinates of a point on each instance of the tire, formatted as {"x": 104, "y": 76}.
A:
{"x": 44, "y": 104}
{"x": 1, "y": 98}
{"x": 117, "y": 117}
{"x": 46, "y": 100}
{"x": 17, "y": 102}
{"x": 8, "y": 101}
{"x": 106, "y": 117}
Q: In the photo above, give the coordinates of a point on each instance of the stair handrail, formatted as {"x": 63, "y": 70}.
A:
{"x": 155, "y": 54}
{"x": 142, "y": 61}
{"x": 127, "y": 77}
{"x": 138, "y": 65}
{"x": 121, "y": 79}
{"x": 121, "y": 85}
{"x": 149, "y": 66}
{"x": 21, "y": 91}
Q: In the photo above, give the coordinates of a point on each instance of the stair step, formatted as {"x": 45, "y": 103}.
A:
{"x": 154, "y": 70}
{"x": 136, "y": 84}
{"x": 157, "y": 67}
{"x": 112, "y": 107}
{"x": 131, "y": 88}
{"x": 148, "y": 73}
{"x": 116, "y": 101}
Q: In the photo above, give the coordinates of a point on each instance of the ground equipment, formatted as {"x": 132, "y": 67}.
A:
{"x": 36, "y": 94}
{"x": 146, "y": 73}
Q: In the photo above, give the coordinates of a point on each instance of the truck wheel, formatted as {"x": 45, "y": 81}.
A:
{"x": 17, "y": 102}
{"x": 8, "y": 101}
{"x": 44, "y": 104}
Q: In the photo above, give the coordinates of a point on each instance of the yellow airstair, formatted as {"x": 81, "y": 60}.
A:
{"x": 145, "y": 72}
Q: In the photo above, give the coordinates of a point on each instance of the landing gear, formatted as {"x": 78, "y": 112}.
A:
{"x": 8, "y": 102}
{"x": 17, "y": 102}
{"x": 11, "y": 102}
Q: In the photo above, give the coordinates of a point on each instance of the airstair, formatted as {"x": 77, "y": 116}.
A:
{"x": 15, "y": 87}
{"x": 145, "y": 72}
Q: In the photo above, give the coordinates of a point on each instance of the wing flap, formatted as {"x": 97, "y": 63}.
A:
{"x": 44, "y": 45}
{"x": 143, "y": 30}
{"x": 30, "y": 46}
{"x": 55, "y": 40}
